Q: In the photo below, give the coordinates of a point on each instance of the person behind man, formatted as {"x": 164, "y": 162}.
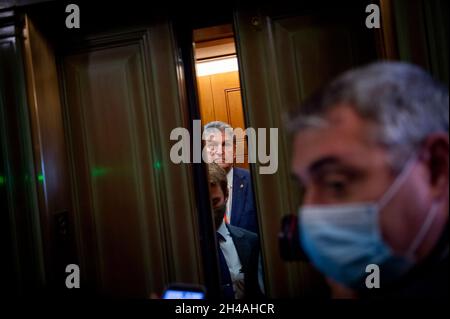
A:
{"x": 238, "y": 248}
{"x": 240, "y": 210}
{"x": 371, "y": 151}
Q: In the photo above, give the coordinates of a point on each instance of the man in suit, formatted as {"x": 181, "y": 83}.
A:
{"x": 238, "y": 249}
{"x": 221, "y": 147}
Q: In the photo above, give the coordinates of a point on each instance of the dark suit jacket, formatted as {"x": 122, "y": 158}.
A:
{"x": 425, "y": 281}
{"x": 247, "y": 247}
{"x": 243, "y": 212}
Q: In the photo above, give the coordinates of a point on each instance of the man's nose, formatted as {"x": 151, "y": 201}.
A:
{"x": 217, "y": 151}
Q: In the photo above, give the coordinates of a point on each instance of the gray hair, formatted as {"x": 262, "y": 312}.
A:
{"x": 404, "y": 102}
{"x": 219, "y": 125}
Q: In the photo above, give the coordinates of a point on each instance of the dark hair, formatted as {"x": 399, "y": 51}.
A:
{"x": 218, "y": 176}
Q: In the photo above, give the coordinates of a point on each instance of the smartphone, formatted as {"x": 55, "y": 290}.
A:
{"x": 184, "y": 291}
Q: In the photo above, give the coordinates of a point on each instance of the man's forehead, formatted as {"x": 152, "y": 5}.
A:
{"x": 343, "y": 138}
{"x": 217, "y": 136}
{"x": 213, "y": 134}
{"x": 310, "y": 150}
{"x": 214, "y": 187}
{"x": 216, "y": 192}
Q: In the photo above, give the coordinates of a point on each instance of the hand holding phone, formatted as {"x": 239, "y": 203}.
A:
{"x": 184, "y": 291}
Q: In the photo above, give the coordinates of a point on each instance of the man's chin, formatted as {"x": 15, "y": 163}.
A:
{"x": 218, "y": 222}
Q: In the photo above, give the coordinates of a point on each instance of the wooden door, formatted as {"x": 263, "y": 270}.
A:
{"x": 220, "y": 100}
{"x": 134, "y": 208}
{"x": 286, "y": 54}
{"x": 23, "y": 266}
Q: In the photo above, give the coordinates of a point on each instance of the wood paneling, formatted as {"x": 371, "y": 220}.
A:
{"x": 215, "y": 48}
{"x": 422, "y": 31}
{"x": 133, "y": 206}
{"x": 220, "y": 100}
{"x": 112, "y": 163}
{"x": 50, "y": 156}
{"x": 213, "y": 33}
{"x": 283, "y": 58}
{"x": 23, "y": 260}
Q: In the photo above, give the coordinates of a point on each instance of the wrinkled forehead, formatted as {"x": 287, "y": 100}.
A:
{"x": 344, "y": 136}
{"x": 211, "y": 135}
{"x": 216, "y": 135}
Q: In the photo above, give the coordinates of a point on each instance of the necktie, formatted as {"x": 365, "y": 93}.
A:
{"x": 227, "y": 285}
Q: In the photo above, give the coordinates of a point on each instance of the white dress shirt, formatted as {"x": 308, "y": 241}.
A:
{"x": 230, "y": 194}
{"x": 234, "y": 263}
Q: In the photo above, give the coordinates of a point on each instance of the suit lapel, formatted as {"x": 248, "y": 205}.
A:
{"x": 242, "y": 246}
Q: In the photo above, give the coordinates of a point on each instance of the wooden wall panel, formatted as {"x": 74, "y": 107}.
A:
{"x": 50, "y": 156}
{"x": 284, "y": 55}
{"x": 206, "y": 99}
{"x": 220, "y": 100}
{"x": 134, "y": 208}
{"x": 233, "y": 101}
{"x": 22, "y": 259}
{"x": 116, "y": 165}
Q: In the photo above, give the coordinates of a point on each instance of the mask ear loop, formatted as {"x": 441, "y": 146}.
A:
{"x": 399, "y": 181}
{"x": 423, "y": 231}
{"x": 431, "y": 214}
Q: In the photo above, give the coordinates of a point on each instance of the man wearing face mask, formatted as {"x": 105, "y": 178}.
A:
{"x": 371, "y": 153}
{"x": 238, "y": 249}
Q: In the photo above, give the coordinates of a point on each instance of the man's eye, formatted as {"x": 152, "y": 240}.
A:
{"x": 338, "y": 187}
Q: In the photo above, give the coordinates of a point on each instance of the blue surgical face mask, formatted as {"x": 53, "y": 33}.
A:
{"x": 342, "y": 240}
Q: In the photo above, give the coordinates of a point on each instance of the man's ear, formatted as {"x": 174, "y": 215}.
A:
{"x": 436, "y": 148}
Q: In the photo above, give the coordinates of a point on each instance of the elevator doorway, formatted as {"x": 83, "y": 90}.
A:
{"x": 218, "y": 85}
